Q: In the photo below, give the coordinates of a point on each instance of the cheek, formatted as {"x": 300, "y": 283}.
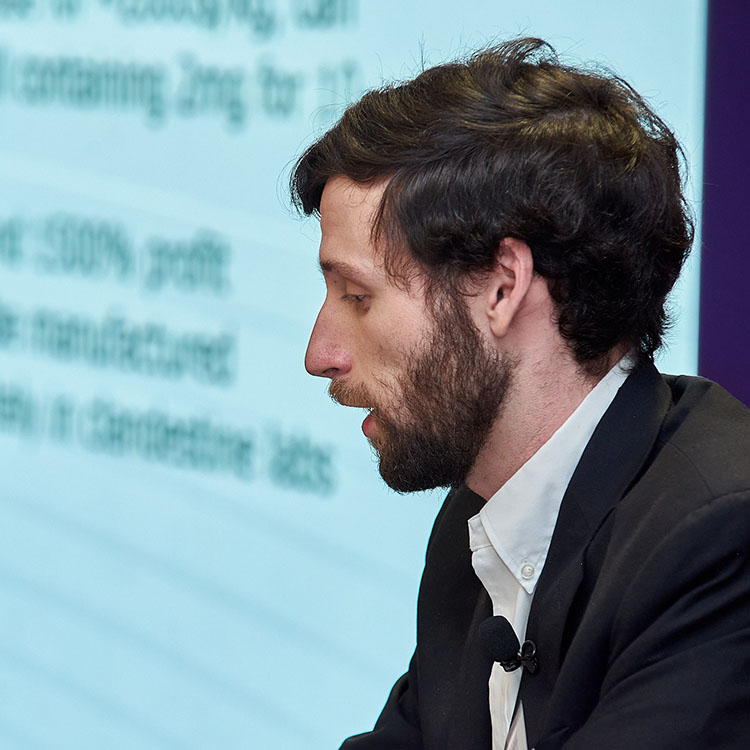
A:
{"x": 389, "y": 335}
{"x": 401, "y": 333}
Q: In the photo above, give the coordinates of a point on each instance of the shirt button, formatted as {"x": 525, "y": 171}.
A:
{"x": 527, "y": 571}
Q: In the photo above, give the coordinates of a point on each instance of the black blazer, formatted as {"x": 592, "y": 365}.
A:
{"x": 642, "y": 613}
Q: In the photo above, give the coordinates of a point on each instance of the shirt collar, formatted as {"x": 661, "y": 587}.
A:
{"x": 520, "y": 517}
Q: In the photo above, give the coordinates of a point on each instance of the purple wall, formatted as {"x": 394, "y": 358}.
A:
{"x": 724, "y": 345}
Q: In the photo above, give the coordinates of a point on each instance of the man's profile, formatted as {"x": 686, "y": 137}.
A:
{"x": 499, "y": 236}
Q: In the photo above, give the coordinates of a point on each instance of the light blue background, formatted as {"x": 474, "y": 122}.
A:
{"x": 147, "y": 606}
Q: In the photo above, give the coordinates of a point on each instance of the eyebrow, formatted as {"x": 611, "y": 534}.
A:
{"x": 343, "y": 268}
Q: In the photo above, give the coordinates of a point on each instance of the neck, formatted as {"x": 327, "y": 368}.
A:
{"x": 542, "y": 396}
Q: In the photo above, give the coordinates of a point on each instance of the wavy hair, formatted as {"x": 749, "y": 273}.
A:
{"x": 511, "y": 143}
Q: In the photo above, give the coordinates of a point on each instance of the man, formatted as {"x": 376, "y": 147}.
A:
{"x": 498, "y": 239}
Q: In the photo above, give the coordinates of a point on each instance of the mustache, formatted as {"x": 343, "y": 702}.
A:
{"x": 345, "y": 394}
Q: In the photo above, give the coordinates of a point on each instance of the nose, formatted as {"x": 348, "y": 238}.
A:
{"x": 327, "y": 355}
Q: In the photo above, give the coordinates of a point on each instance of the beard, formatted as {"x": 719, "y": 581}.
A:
{"x": 435, "y": 419}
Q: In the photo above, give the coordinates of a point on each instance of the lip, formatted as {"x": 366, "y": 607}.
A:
{"x": 367, "y": 425}
{"x": 353, "y": 405}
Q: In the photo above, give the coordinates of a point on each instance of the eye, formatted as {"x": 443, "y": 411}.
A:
{"x": 355, "y": 299}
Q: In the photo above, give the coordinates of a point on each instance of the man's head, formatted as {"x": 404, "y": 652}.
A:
{"x": 419, "y": 365}
{"x": 511, "y": 143}
{"x": 464, "y": 210}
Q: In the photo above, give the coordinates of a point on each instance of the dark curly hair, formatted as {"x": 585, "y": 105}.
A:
{"x": 511, "y": 143}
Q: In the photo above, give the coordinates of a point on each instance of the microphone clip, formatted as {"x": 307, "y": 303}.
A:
{"x": 526, "y": 658}
{"x": 501, "y": 643}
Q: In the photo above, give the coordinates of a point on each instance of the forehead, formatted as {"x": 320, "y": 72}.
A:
{"x": 343, "y": 196}
{"x": 348, "y": 210}
{"x": 347, "y": 213}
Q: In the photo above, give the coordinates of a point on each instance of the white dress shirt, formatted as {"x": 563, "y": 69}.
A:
{"x": 510, "y": 537}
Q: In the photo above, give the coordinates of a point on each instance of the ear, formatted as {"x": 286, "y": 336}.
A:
{"x": 508, "y": 284}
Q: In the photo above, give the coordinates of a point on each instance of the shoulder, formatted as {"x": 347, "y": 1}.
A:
{"x": 698, "y": 470}
{"x": 686, "y": 517}
{"x": 707, "y": 433}
{"x": 661, "y": 589}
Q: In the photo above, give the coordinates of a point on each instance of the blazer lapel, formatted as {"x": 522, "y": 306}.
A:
{"x": 608, "y": 467}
